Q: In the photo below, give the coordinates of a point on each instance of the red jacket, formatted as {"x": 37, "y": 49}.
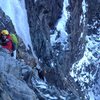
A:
{"x": 8, "y": 44}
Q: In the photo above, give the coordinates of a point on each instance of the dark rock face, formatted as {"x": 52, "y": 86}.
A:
{"x": 43, "y": 17}
{"x": 5, "y": 22}
{"x": 93, "y": 15}
{"x": 76, "y": 28}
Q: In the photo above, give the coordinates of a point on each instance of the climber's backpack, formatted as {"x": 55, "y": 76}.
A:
{"x": 14, "y": 41}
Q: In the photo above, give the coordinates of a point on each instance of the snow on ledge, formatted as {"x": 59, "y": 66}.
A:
{"x": 78, "y": 70}
{"x": 60, "y": 27}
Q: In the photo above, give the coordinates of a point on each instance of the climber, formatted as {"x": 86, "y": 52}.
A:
{"x": 41, "y": 73}
{"x": 6, "y": 41}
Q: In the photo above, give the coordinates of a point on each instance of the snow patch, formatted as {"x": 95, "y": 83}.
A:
{"x": 81, "y": 35}
{"x": 60, "y": 35}
{"x": 35, "y": 1}
{"x": 41, "y": 83}
{"x": 95, "y": 25}
{"x": 50, "y": 97}
{"x": 42, "y": 86}
{"x": 84, "y": 6}
{"x": 52, "y": 64}
{"x": 63, "y": 98}
{"x": 65, "y": 16}
{"x": 91, "y": 95}
{"x": 91, "y": 56}
{"x": 99, "y": 30}
{"x": 85, "y": 70}
{"x": 81, "y": 19}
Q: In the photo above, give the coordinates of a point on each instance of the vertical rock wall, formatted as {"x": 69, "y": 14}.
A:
{"x": 43, "y": 16}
